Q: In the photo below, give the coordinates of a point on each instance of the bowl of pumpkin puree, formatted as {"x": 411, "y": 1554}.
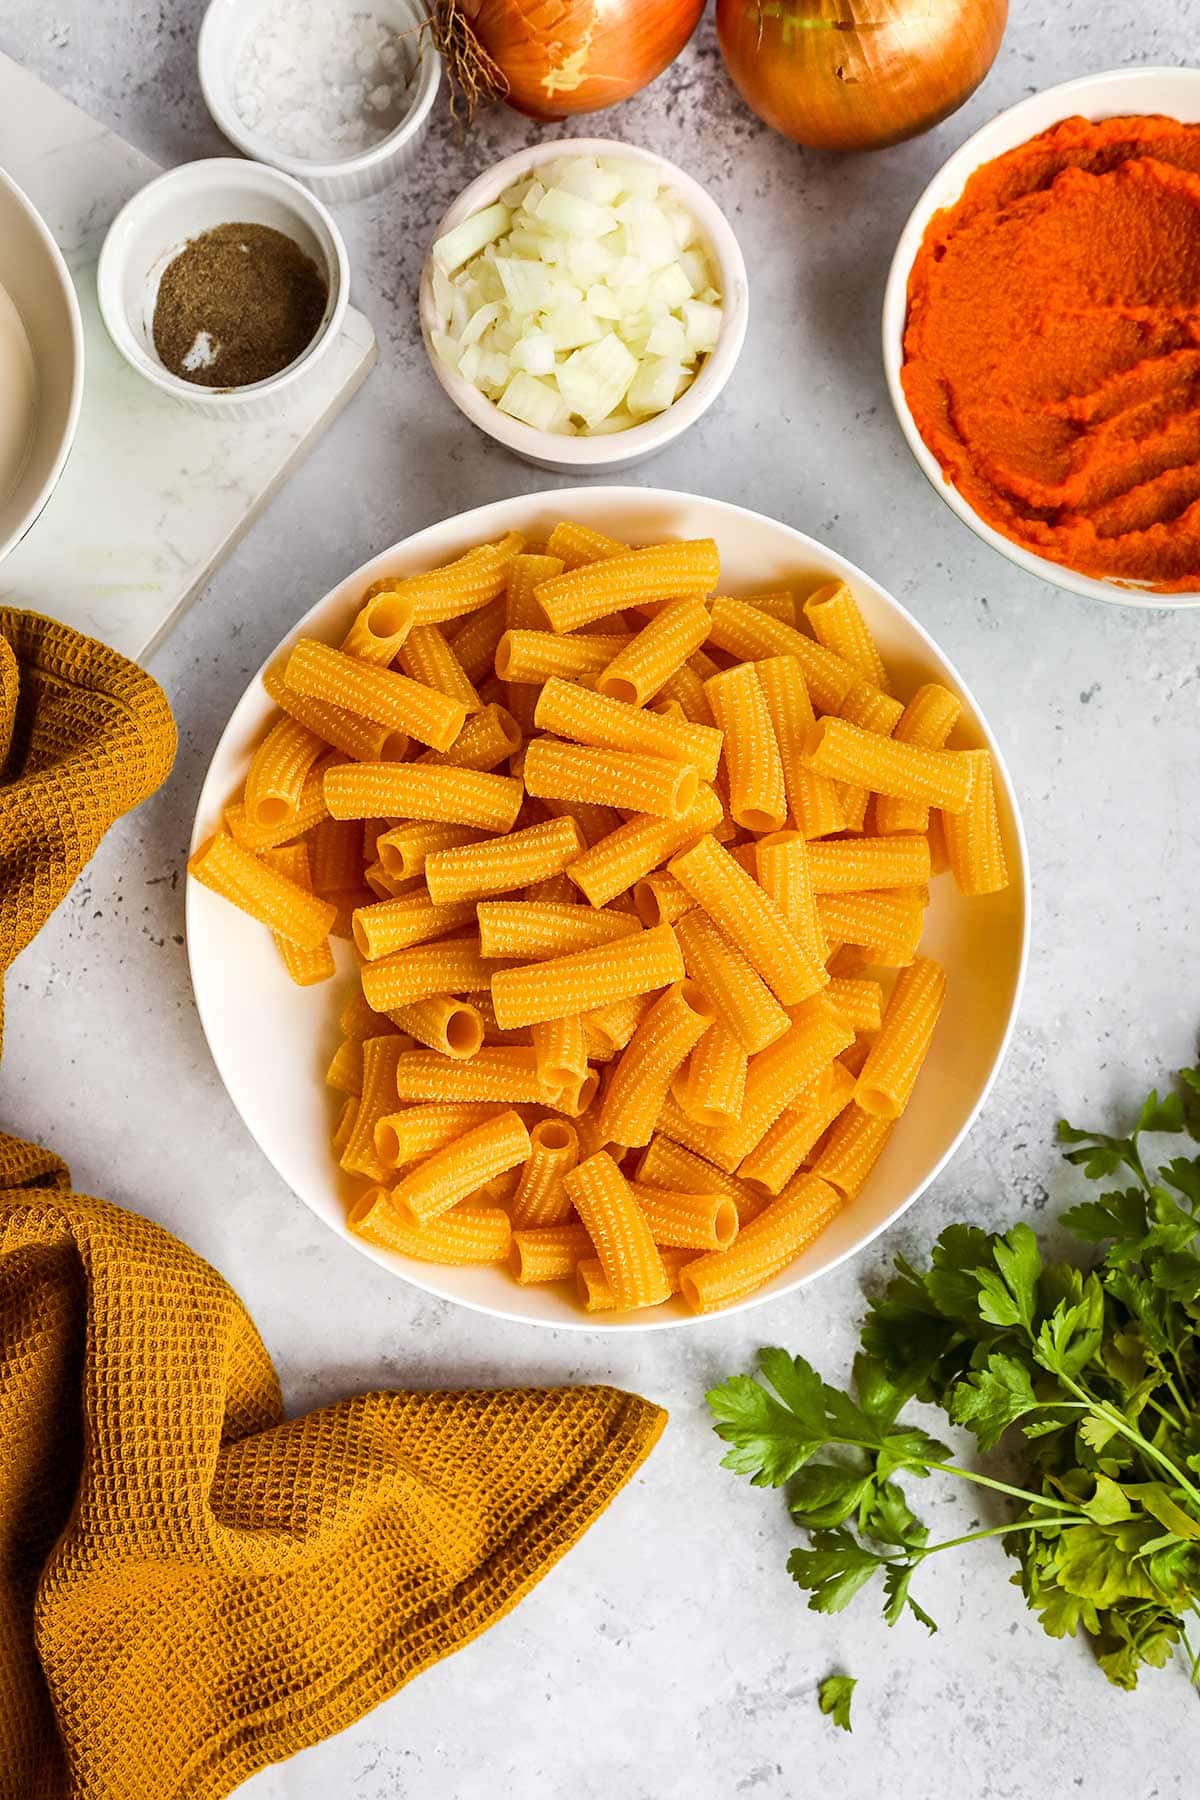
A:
{"x": 1042, "y": 335}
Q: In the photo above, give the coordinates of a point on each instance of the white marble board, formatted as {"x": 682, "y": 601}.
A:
{"x": 152, "y": 497}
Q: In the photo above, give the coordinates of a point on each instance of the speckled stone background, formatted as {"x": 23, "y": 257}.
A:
{"x": 669, "y": 1656}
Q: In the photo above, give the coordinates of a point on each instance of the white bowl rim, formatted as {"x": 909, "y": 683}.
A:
{"x": 259, "y": 147}
{"x": 234, "y": 169}
{"x": 566, "y": 498}
{"x": 977, "y": 150}
{"x": 600, "y": 452}
{"x": 75, "y": 403}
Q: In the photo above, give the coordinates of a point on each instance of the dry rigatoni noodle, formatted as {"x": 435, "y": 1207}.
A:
{"x": 421, "y": 791}
{"x": 837, "y": 622}
{"x": 750, "y": 919}
{"x": 853, "y": 1147}
{"x": 499, "y": 1073}
{"x": 403, "y": 850}
{"x": 548, "y": 1252}
{"x": 380, "y": 1056}
{"x": 927, "y": 720}
{"x": 277, "y": 773}
{"x": 485, "y": 741}
{"x": 855, "y": 865}
{"x": 621, "y": 778}
{"x": 639, "y": 671}
{"x": 639, "y": 1083}
{"x": 683, "y": 570}
{"x": 887, "y": 925}
{"x": 530, "y": 928}
{"x": 619, "y": 1232}
{"x": 890, "y": 1071}
{"x": 474, "y": 641}
{"x": 442, "y": 1022}
{"x": 815, "y": 804}
{"x": 596, "y": 1292}
{"x": 450, "y": 1175}
{"x": 783, "y": 869}
{"x": 660, "y": 899}
{"x": 639, "y": 846}
{"x": 466, "y": 1235}
{"x": 379, "y": 628}
{"x": 306, "y": 967}
{"x": 777, "y": 1155}
{"x": 605, "y": 723}
{"x": 407, "y": 1135}
{"x": 846, "y": 752}
{"x": 700, "y": 1221}
{"x": 763, "y": 1248}
{"x": 974, "y": 845}
{"x": 426, "y": 657}
{"x": 268, "y": 896}
{"x": 753, "y": 636}
{"x": 742, "y": 1000}
{"x": 541, "y": 1198}
{"x": 778, "y": 1074}
{"x": 711, "y": 1088}
{"x": 586, "y": 979}
{"x": 757, "y": 796}
{"x": 374, "y": 693}
{"x": 451, "y": 966}
{"x": 497, "y": 865}
{"x": 394, "y": 924}
{"x": 362, "y": 739}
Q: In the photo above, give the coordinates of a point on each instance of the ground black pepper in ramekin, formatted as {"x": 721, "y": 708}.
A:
{"x": 238, "y": 303}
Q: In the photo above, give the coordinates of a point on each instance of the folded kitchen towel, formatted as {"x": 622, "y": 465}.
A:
{"x": 191, "y": 1584}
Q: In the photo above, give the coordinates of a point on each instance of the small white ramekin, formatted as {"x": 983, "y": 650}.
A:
{"x": 222, "y": 34}
{"x": 153, "y": 227}
{"x": 619, "y": 449}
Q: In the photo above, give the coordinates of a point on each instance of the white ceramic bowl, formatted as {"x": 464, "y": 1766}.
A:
{"x": 272, "y": 1041}
{"x": 36, "y": 279}
{"x": 222, "y": 34}
{"x": 153, "y": 227}
{"x": 1175, "y": 92}
{"x": 621, "y": 449}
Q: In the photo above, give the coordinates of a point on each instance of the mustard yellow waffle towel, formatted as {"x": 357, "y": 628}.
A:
{"x": 191, "y": 1585}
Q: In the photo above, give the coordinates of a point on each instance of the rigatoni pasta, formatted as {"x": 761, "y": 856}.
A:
{"x": 634, "y": 881}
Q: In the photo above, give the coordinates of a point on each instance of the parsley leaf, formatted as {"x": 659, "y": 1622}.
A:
{"x": 833, "y": 1570}
{"x": 833, "y": 1697}
{"x": 993, "y": 1398}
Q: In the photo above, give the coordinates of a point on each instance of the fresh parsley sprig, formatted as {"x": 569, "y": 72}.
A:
{"x": 1096, "y": 1368}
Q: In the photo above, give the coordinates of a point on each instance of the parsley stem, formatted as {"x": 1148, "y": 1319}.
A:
{"x": 1121, "y": 1424}
{"x": 973, "y": 1537}
{"x": 1172, "y": 1419}
{"x": 1002, "y": 1487}
{"x": 1193, "y": 1656}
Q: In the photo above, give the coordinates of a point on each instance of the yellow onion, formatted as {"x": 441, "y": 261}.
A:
{"x": 858, "y": 74}
{"x": 551, "y": 58}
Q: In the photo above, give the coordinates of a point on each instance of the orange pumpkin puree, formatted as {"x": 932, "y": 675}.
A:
{"x": 1052, "y": 350}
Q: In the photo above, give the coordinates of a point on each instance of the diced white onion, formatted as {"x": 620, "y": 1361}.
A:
{"x": 534, "y": 402}
{"x": 655, "y": 386}
{"x": 702, "y": 324}
{"x": 535, "y": 353}
{"x": 583, "y": 299}
{"x": 468, "y": 239}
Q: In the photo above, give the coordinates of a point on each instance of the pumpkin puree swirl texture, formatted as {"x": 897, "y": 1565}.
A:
{"x": 1052, "y": 350}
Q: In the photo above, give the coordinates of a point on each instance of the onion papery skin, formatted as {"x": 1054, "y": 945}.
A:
{"x": 562, "y": 57}
{"x": 858, "y": 74}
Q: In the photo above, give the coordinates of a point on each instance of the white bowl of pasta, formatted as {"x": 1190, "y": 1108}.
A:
{"x": 699, "y": 1140}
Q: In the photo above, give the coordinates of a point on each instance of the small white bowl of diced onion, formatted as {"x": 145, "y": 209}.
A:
{"x": 583, "y": 303}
